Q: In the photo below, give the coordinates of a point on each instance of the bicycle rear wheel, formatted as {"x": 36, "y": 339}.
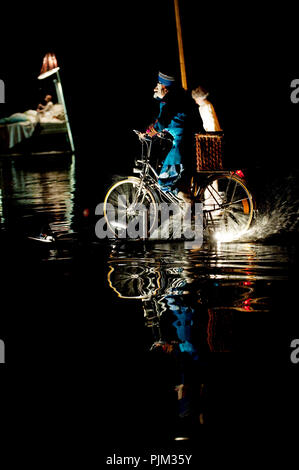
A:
{"x": 130, "y": 209}
{"x": 228, "y": 207}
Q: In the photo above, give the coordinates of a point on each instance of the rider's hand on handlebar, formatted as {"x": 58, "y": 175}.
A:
{"x": 141, "y": 135}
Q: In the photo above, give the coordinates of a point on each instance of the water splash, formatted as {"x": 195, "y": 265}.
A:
{"x": 277, "y": 213}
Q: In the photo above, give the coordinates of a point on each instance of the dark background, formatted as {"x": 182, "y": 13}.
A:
{"x": 109, "y": 56}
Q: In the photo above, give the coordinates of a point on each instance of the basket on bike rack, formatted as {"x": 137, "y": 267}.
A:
{"x": 209, "y": 151}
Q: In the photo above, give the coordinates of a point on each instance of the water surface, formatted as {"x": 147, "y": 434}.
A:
{"x": 155, "y": 332}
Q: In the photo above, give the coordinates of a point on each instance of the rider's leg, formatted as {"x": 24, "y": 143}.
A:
{"x": 169, "y": 177}
{"x": 184, "y": 188}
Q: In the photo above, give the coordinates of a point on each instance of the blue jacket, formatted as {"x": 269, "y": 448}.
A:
{"x": 175, "y": 128}
{"x": 179, "y": 117}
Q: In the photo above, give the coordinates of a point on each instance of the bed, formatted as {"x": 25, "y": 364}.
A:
{"x": 21, "y": 126}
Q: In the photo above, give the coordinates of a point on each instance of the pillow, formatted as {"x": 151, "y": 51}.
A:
{"x": 58, "y": 111}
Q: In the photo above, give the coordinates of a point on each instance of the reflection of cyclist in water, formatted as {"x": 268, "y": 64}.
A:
{"x": 185, "y": 356}
{"x": 172, "y": 323}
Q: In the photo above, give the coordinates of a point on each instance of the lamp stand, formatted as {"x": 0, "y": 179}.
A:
{"x": 60, "y": 98}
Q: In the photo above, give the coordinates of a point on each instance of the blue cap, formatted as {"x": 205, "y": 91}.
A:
{"x": 166, "y": 80}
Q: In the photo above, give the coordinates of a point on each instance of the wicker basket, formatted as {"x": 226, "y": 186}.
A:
{"x": 209, "y": 151}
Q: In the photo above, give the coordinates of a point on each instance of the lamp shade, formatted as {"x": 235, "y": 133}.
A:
{"x": 49, "y": 66}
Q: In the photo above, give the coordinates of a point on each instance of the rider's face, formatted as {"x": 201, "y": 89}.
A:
{"x": 160, "y": 90}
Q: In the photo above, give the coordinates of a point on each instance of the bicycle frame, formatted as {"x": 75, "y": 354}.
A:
{"x": 149, "y": 176}
{"x": 226, "y": 203}
{"x": 151, "y": 180}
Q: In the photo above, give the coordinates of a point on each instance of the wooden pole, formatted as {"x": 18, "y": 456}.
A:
{"x": 180, "y": 44}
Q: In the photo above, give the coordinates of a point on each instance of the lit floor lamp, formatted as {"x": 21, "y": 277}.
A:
{"x": 50, "y": 67}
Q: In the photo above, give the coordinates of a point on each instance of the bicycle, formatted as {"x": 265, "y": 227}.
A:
{"x": 227, "y": 204}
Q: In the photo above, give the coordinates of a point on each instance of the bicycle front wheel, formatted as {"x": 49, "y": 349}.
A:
{"x": 228, "y": 207}
{"x": 130, "y": 209}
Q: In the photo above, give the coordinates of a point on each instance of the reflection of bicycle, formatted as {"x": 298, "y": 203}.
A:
{"x": 133, "y": 280}
{"x": 226, "y": 202}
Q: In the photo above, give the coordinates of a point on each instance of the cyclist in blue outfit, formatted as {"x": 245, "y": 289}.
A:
{"x": 179, "y": 118}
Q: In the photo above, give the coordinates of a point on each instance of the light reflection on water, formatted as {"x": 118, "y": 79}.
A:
{"x": 195, "y": 301}
{"x": 235, "y": 277}
{"x": 234, "y": 269}
{"x": 46, "y": 191}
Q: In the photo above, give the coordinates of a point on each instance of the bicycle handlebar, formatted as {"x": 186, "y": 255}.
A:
{"x": 160, "y": 135}
{"x": 142, "y": 137}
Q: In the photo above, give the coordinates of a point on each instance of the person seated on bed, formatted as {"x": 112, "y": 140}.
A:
{"x": 44, "y": 113}
{"x": 43, "y": 108}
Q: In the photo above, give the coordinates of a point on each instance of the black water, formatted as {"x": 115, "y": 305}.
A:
{"x": 102, "y": 334}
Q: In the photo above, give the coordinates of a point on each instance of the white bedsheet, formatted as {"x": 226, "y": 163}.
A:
{"x": 12, "y": 133}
